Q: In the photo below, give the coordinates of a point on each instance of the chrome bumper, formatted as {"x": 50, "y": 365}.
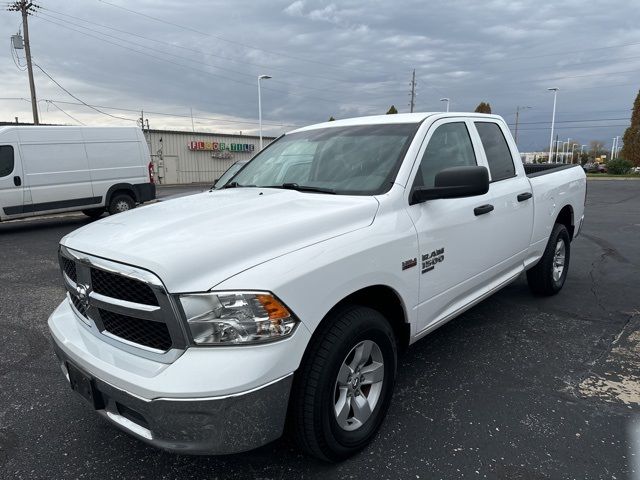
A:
{"x": 205, "y": 426}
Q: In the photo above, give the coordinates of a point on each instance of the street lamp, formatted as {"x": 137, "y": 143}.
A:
{"x": 261, "y": 77}
{"x": 553, "y": 118}
{"x": 573, "y": 152}
{"x": 445, "y": 100}
{"x": 557, "y": 144}
{"x": 518, "y": 108}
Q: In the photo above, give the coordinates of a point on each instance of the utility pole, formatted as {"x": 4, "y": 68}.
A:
{"x": 413, "y": 91}
{"x": 26, "y": 8}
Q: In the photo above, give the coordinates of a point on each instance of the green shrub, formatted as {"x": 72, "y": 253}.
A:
{"x": 619, "y": 166}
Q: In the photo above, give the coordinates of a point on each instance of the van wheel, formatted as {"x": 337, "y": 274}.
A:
{"x": 550, "y": 273}
{"x": 342, "y": 391}
{"x": 93, "y": 212}
{"x": 121, "y": 203}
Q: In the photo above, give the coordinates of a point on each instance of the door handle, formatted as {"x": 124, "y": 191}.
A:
{"x": 524, "y": 196}
{"x": 17, "y": 181}
{"x": 482, "y": 209}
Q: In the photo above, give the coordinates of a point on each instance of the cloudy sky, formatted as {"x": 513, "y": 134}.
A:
{"x": 342, "y": 58}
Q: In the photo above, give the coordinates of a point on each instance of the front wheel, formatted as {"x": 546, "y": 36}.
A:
{"x": 550, "y": 273}
{"x": 343, "y": 388}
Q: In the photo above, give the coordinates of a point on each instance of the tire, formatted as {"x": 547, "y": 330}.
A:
{"x": 94, "y": 212}
{"x": 324, "y": 382}
{"x": 544, "y": 278}
{"x": 121, "y": 203}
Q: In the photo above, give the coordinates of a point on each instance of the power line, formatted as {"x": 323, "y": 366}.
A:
{"x": 146, "y": 54}
{"x": 67, "y": 114}
{"x": 234, "y": 42}
{"x": 199, "y": 52}
{"x": 47, "y": 17}
{"x": 167, "y": 114}
{"x": 78, "y": 99}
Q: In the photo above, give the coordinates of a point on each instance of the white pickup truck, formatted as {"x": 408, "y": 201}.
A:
{"x": 200, "y": 324}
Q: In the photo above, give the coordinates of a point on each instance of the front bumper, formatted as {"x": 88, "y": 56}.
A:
{"x": 208, "y": 426}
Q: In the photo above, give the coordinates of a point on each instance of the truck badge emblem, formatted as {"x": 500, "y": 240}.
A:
{"x": 82, "y": 292}
{"x": 409, "y": 263}
{"x": 429, "y": 260}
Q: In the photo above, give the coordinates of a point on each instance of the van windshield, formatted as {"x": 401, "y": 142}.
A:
{"x": 357, "y": 160}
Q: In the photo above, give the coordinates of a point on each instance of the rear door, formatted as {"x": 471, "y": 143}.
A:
{"x": 511, "y": 196}
{"x": 11, "y": 182}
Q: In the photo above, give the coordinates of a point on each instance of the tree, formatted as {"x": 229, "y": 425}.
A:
{"x": 483, "y": 107}
{"x": 392, "y": 110}
{"x": 331, "y": 119}
{"x": 619, "y": 166}
{"x": 631, "y": 138}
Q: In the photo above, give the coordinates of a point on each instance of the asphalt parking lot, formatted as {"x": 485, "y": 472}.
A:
{"x": 519, "y": 387}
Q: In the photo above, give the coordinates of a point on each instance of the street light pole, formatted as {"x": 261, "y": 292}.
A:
{"x": 445, "y": 100}
{"x": 261, "y": 77}
{"x": 573, "y": 152}
{"x": 553, "y": 118}
{"x": 518, "y": 108}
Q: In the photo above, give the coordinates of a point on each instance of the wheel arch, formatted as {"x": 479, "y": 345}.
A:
{"x": 126, "y": 188}
{"x": 383, "y": 299}
{"x": 565, "y": 217}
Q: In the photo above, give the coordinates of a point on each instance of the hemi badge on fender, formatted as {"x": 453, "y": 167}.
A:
{"x": 409, "y": 263}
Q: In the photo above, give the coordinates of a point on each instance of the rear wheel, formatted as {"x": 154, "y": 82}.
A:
{"x": 94, "y": 212}
{"x": 121, "y": 203}
{"x": 549, "y": 275}
{"x": 343, "y": 388}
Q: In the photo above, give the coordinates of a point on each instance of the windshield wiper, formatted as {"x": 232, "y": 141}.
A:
{"x": 304, "y": 188}
{"x": 236, "y": 185}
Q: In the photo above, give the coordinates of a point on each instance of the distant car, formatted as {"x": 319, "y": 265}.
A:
{"x": 594, "y": 168}
{"x": 635, "y": 169}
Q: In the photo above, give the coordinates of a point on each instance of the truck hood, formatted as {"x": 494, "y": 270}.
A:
{"x": 194, "y": 243}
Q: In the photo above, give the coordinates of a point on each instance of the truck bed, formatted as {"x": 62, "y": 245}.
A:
{"x": 538, "y": 169}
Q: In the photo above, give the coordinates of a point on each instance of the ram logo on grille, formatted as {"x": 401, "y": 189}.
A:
{"x": 82, "y": 292}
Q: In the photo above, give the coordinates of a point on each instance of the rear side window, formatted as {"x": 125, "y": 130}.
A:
{"x": 6, "y": 160}
{"x": 449, "y": 146}
{"x": 497, "y": 150}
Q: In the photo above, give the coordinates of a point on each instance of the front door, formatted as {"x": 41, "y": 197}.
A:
{"x": 11, "y": 183}
{"x": 452, "y": 237}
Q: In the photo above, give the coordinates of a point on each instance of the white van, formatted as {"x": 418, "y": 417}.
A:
{"x": 63, "y": 169}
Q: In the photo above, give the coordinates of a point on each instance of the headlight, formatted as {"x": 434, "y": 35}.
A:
{"x": 236, "y": 317}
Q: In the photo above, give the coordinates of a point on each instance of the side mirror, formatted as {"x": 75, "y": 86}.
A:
{"x": 454, "y": 182}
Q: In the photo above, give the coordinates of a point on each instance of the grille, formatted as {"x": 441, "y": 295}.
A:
{"x": 124, "y": 288}
{"x": 69, "y": 268}
{"x": 136, "y": 330}
{"x": 79, "y": 306}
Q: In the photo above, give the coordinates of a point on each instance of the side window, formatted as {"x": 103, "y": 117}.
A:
{"x": 449, "y": 146}
{"x": 6, "y": 160}
{"x": 497, "y": 151}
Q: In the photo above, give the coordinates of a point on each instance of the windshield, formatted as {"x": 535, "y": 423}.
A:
{"x": 359, "y": 160}
{"x": 226, "y": 176}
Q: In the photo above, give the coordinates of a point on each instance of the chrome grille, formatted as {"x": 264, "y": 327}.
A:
{"x": 82, "y": 309}
{"x": 136, "y": 330}
{"x": 69, "y": 267}
{"x": 124, "y": 305}
{"x": 117, "y": 286}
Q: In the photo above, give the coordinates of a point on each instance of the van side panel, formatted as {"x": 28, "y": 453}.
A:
{"x": 56, "y": 169}
{"x": 115, "y": 157}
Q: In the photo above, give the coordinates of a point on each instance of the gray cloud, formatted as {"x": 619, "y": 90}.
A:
{"x": 344, "y": 58}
